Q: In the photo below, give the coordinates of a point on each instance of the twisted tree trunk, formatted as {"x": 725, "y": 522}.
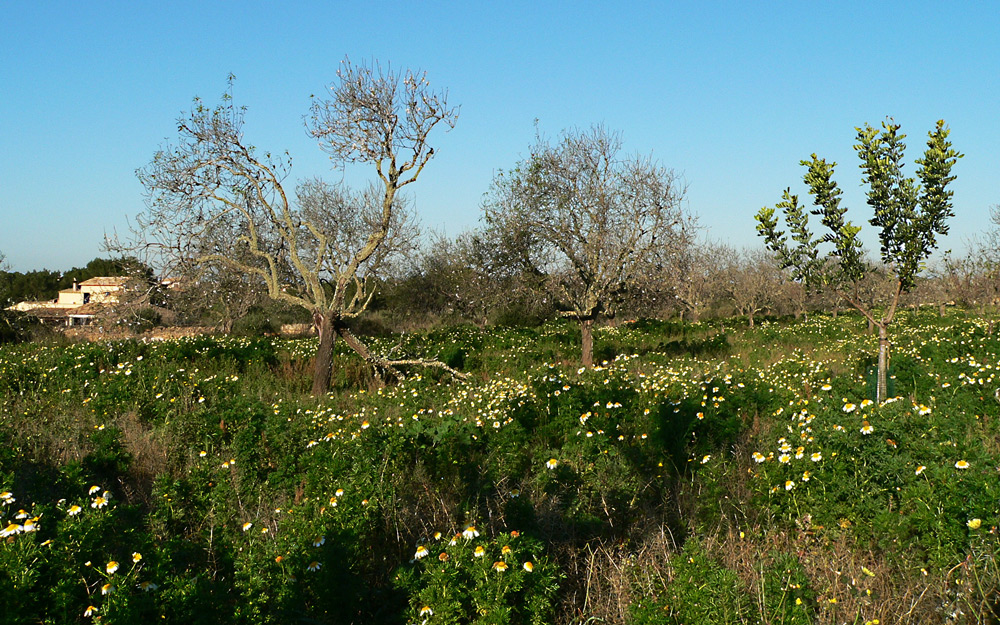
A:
{"x": 587, "y": 332}
{"x": 323, "y": 369}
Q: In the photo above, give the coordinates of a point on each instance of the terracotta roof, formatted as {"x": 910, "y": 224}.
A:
{"x": 52, "y": 313}
{"x": 105, "y": 281}
{"x": 88, "y": 309}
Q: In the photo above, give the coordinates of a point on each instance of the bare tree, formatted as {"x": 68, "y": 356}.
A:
{"x": 975, "y": 278}
{"x": 987, "y": 245}
{"x": 673, "y": 273}
{"x": 791, "y": 297}
{"x": 213, "y": 294}
{"x": 592, "y": 221}
{"x": 491, "y": 277}
{"x": 468, "y": 276}
{"x": 694, "y": 274}
{"x": 5, "y": 294}
{"x": 215, "y": 199}
{"x": 8, "y": 326}
{"x": 752, "y": 281}
{"x": 984, "y": 262}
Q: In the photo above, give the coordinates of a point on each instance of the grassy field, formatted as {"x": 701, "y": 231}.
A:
{"x": 702, "y": 473}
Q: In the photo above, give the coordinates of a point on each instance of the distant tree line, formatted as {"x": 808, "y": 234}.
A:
{"x": 453, "y": 280}
{"x": 474, "y": 278}
{"x": 45, "y": 284}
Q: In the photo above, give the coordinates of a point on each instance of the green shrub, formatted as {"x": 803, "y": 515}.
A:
{"x": 699, "y": 592}
{"x": 466, "y": 578}
{"x": 255, "y": 323}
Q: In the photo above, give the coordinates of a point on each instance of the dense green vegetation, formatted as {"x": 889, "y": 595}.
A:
{"x": 700, "y": 473}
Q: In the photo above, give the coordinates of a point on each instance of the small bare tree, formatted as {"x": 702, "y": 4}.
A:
{"x": 792, "y": 297}
{"x": 214, "y": 199}
{"x": 987, "y": 245}
{"x": 4, "y": 288}
{"x": 591, "y": 220}
{"x": 8, "y": 325}
{"x": 752, "y": 281}
{"x": 694, "y": 275}
{"x": 213, "y": 294}
{"x": 680, "y": 278}
{"x": 976, "y": 277}
{"x": 475, "y": 276}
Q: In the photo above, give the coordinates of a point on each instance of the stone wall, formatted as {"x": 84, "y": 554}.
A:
{"x": 97, "y": 333}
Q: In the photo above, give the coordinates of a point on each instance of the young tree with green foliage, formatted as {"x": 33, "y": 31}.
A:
{"x": 910, "y": 216}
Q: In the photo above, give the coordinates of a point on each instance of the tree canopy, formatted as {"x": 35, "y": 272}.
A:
{"x": 590, "y": 219}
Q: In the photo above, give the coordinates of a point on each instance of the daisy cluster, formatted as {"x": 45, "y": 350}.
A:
{"x": 818, "y": 422}
{"x": 20, "y": 521}
{"x": 466, "y": 564}
{"x": 479, "y": 549}
{"x": 69, "y": 516}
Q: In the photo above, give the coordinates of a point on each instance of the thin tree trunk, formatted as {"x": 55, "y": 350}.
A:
{"x": 323, "y": 369}
{"x": 750, "y": 317}
{"x": 586, "y": 330}
{"x": 883, "y": 364}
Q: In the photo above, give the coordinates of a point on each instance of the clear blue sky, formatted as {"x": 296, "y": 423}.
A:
{"x": 730, "y": 94}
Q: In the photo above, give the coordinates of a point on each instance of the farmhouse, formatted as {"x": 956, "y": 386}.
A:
{"x": 76, "y": 305}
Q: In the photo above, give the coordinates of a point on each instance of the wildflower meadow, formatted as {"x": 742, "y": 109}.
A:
{"x": 699, "y": 473}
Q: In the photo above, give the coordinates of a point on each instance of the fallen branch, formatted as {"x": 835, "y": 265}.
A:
{"x": 425, "y": 362}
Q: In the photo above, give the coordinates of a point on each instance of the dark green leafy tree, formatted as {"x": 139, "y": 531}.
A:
{"x": 910, "y": 214}
{"x": 12, "y": 323}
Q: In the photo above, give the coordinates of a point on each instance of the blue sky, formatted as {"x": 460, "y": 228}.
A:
{"x": 730, "y": 94}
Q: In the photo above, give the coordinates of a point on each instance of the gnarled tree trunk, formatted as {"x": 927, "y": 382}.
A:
{"x": 323, "y": 369}
{"x": 587, "y": 332}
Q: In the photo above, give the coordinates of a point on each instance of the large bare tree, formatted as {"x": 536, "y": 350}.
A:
{"x": 592, "y": 220}
{"x": 213, "y": 198}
